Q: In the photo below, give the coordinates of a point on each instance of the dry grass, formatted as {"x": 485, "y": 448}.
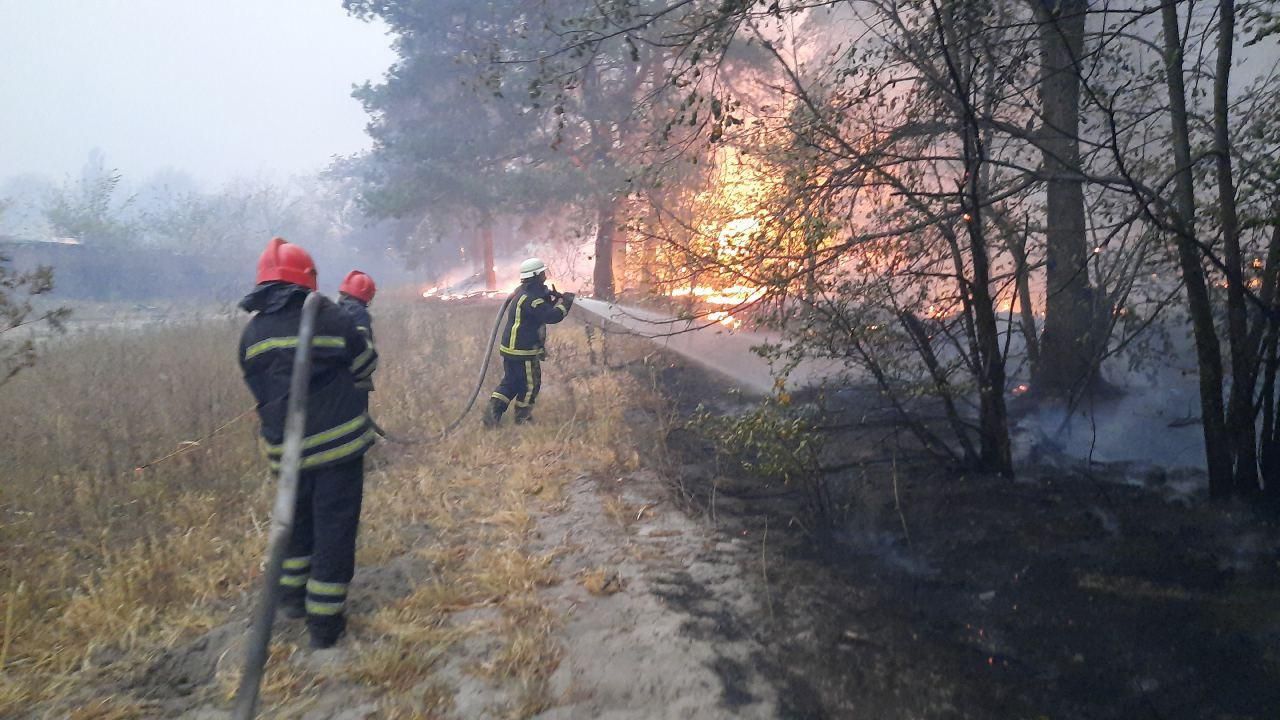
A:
{"x": 109, "y": 709}
{"x": 102, "y": 560}
{"x": 105, "y": 563}
{"x": 602, "y": 581}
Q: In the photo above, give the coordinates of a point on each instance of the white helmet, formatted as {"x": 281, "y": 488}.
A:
{"x": 531, "y": 267}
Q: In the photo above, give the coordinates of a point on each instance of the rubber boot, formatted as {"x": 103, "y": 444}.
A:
{"x": 292, "y": 605}
{"x": 524, "y": 415}
{"x": 325, "y": 630}
{"x": 493, "y": 415}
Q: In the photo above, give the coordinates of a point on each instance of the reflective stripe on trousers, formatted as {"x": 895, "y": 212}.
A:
{"x": 521, "y": 381}
{"x": 326, "y": 520}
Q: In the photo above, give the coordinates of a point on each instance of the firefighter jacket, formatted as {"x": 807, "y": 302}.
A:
{"x": 359, "y": 313}
{"x": 533, "y": 308}
{"x": 338, "y": 427}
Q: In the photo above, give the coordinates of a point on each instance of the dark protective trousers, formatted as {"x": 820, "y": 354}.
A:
{"x": 321, "y": 556}
{"x": 521, "y": 381}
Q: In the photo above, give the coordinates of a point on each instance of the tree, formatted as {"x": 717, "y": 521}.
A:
{"x": 485, "y": 114}
{"x": 91, "y": 210}
{"x": 1065, "y": 360}
{"x": 456, "y": 144}
{"x": 18, "y": 315}
{"x": 1231, "y": 432}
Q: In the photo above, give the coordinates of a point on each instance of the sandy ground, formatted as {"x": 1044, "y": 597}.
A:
{"x": 672, "y": 642}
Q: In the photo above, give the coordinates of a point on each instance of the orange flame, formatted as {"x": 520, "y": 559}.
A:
{"x": 735, "y": 295}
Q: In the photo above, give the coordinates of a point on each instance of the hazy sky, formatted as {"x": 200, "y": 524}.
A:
{"x": 217, "y": 88}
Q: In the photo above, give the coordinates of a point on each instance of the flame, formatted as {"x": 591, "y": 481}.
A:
{"x": 725, "y": 319}
{"x": 434, "y": 293}
{"x": 735, "y": 295}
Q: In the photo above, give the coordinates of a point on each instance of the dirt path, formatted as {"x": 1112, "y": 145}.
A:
{"x": 674, "y": 640}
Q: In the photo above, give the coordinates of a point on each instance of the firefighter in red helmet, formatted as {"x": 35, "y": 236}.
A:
{"x": 320, "y": 560}
{"x": 354, "y": 295}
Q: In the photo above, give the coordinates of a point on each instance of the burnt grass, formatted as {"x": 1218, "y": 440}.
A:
{"x": 1074, "y": 591}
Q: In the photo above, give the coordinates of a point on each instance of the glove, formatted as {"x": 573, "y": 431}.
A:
{"x": 568, "y": 300}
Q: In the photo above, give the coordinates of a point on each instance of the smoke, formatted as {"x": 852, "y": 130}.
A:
{"x": 569, "y": 268}
{"x": 1153, "y": 420}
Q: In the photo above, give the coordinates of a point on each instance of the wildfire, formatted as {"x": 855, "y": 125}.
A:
{"x": 725, "y": 319}
{"x": 435, "y": 294}
{"x": 736, "y": 295}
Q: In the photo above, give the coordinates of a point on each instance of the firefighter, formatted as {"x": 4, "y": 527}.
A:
{"x": 354, "y": 295}
{"x": 321, "y": 551}
{"x": 523, "y": 341}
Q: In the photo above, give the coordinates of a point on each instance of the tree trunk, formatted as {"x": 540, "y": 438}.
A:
{"x": 1270, "y": 451}
{"x": 1026, "y": 310}
{"x": 1244, "y": 365}
{"x": 1068, "y": 346}
{"x": 1208, "y": 354}
{"x": 606, "y": 229}
{"x": 993, "y": 420}
{"x": 649, "y": 253}
{"x": 1264, "y": 337}
{"x": 619, "y": 260}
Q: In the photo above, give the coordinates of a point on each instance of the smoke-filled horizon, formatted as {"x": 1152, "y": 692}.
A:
{"x": 217, "y": 91}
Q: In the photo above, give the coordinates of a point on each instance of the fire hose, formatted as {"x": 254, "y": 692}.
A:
{"x": 471, "y": 401}
{"x": 484, "y": 366}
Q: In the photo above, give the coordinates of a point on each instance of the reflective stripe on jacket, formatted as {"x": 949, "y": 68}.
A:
{"x": 338, "y": 427}
{"x": 531, "y": 311}
{"x": 359, "y": 313}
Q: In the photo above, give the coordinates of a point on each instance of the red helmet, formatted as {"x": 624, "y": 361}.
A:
{"x": 285, "y": 261}
{"x": 359, "y": 286}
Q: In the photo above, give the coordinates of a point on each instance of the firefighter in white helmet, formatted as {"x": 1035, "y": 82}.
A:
{"x": 522, "y": 342}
